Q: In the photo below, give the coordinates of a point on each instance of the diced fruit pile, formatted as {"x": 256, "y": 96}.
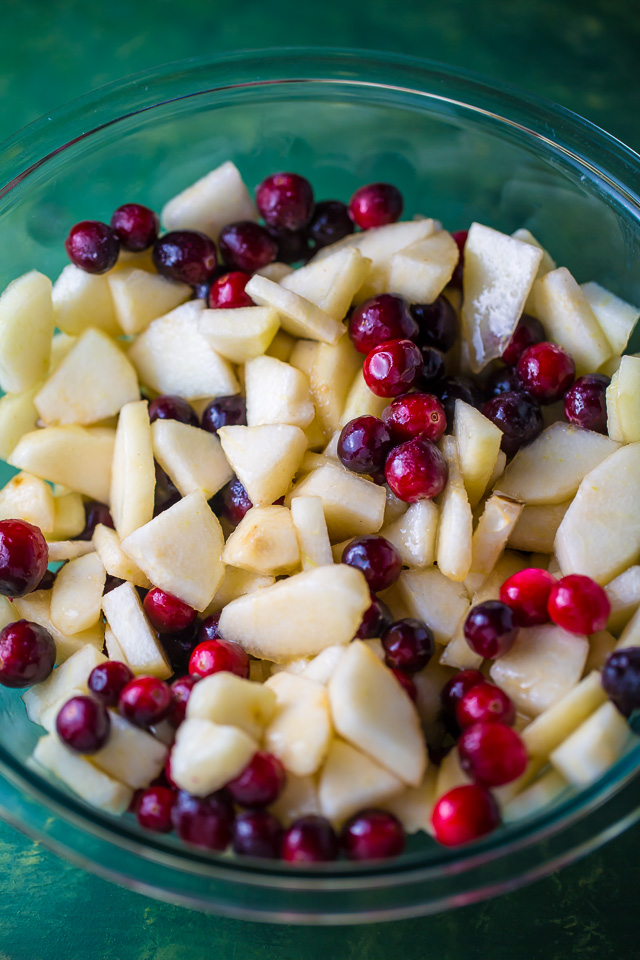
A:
{"x": 347, "y": 550}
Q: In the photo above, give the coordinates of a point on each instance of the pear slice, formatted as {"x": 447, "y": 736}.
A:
{"x": 623, "y": 593}
{"x": 227, "y": 699}
{"x": 276, "y": 393}
{"x": 192, "y": 457}
{"x": 264, "y": 458}
{"x": 310, "y": 525}
{"x": 414, "y": 806}
{"x": 281, "y": 347}
{"x": 71, "y": 675}
{"x": 207, "y": 755}
{"x": 542, "y": 792}
{"x": 361, "y": 401}
{"x": 378, "y": 246}
{"x": 264, "y": 542}
{"x": 81, "y": 777}
{"x": 18, "y": 416}
{"x": 127, "y": 620}
{"x": 37, "y": 608}
{"x": 615, "y": 317}
{"x": 76, "y": 457}
{"x": 352, "y": 505}
{"x": 241, "y": 333}
{"x": 478, "y": 448}
{"x": 450, "y": 774}
{"x": 140, "y": 297}
{"x": 547, "y": 263}
{"x": 76, "y": 598}
{"x": 106, "y": 542}
{"x": 351, "y": 781}
{"x": 28, "y": 498}
{"x": 421, "y": 271}
{"x": 594, "y": 747}
{"x": 490, "y": 537}
{"x": 601, "y": 644}
{"x": 332, "y": 372}
{"x": 455, "y": 529}
{"x": 131, "y": 755}
{"x": 236, "y": 583}
{"x": 275, "y": 271}
{"x": 26, "y": 328}
{"x": 298, "y": 316}
{"x": 413, "y": 534}
{"x": 114, "y": 650}
{"x": 550, "y": 728}
{"x": 623, "y": 420}
{"x": 299, "y": 732}
{"x": 321, "y": 668}
{"x": 62, "y": 550}
{"x": 430, "y": 596}
{"x": 209, "y": 204}
{"x": 82, "y": 300}
{"x": 331, "y": 282}
{"x": 299, "y": 798}
{"x": 133, "y": 481}
{"x": 69, "y": 517}
{"x": 536, "y": 527}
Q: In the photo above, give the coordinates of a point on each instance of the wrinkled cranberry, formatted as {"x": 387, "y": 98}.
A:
{"x": 224, "y": 412}
{"x": 457, "y": 388}
{"x": 95, "y": 513}
{"x": 433, "y": 368}
{"x": 502, "y": 380}
{"x": 233, "y": 502}
{"x": 586, "y": 402}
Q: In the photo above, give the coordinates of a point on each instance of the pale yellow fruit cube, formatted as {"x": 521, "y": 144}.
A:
{"x": 76, "y": 457}
{"x": 76, "y": 597}
{"x": 26, "y": 328}
{"x": 300, "y": 731}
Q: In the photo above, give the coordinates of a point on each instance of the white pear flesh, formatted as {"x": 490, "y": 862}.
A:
{"x": 69, "y": 517}
{"x": 115, "y": 561}
{"x": 544, "y": 791}
{"x": 299, "y": 798}
{"x": 413, "y": 534}
{"x": 594, "y": 747}
{"x": 209, "y": 204}
{"x": 623, "y": 594}
{"x": 430, "y": 596}
{"x": 76, "y": 597}
{"x": 140, "y": 297}
{"x": 361, "y": 401}
{"x": 82, "y": 300}
{"x": 421, "y": 271}
{"x": 126, "y": 618}
{"x": 490, "y": 537}
{"x": 230, "y": 700}
{"x": 81, "y": 777}
{"x": 26, "y": 329}
{"x": 236, "y": 583}
{"x": 331, "y": 282}
{"x": 193, "y": 458}
{"x": 623, "y": 418}
{"x": 536, "y": 527}
{"x": 264, "y": 542}
{"x": 300, "y": 730}
{"x": 353, "y": 506}
{"x": 478, "y": 448}
{"x": 76, "y": 457}
{"x": 36, "y": 607}
{"x": 28, "y": 498}
{"x": 133, "y": 478}
{"x": 70, "y": 675}
{"x": 131, "y": 755}
{"x": 307, "y": 514}
{"x": 264, "y": 458}
{"x": 455, "y": 527}
{"x": 550, "y": 728}
{"x": 277, "y": 393}
{"x": 332, "y": 372}
{"x": 298, "y": 316}
{"x": 615, "y": 317}
{"x": 207, "y": 755}
{"x": 18, "y": 416}
{"x": 241, "y": 333}
{"x": 351, "y": 781}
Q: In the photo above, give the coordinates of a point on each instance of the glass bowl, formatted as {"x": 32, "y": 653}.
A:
{"x": 461, "y": 149}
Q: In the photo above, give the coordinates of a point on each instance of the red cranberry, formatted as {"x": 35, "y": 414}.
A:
{"x": 155, "y": 807}
{"x": 257, "y": 833}
{"x": 179, "y": 646}
{"x": 233, "y": 502}
{"x": 247, "y": 246}
{"x": 185, "y": 255}
{"x": 437, "y": 323}
{"x": 24, "y": 557}
{"x": 95, "y": 513}
{"x": 145, "y": 700}
{"x": 502, "y": 380}
{"x": 83, "y": 724}
{"x": 408, "y": 644}
{"x": 527, "y": 593}
{"x": 375, "y": 619}
{"x": 416, "y": 470}
{"x": 528, "y": 331}
{"x": 433, "y": 368}
{"x": 460, "y": 237}
{"x": 27, "y": 654}
{"x": 546, "y": 371}
{"x": 48, "y": 580}
{"x": 406, "y": 683}
{"x": 293, "y": 245}
{"x": 464, "y": 814}
{"x": 310, "y": 839}
{"x": 108, "y": 680}
{"x": 204, "y": 821}
{"x": 586, "y": 404}
{"x": 415, "y": 415}
{"x": 519, "y": 417}
{"x": 379, "y": 319}
{"x": 224, "y": 412}
{"x": 375, "y": 205}
{"x": 285, "y": 201}
{"x": 372, "y": 835}
{"x": 392, "y": 368}
{"x": 492, "y": 753}
{"x": 180, "y": 693}
{"x": 579, "y": 604}
{"x": 172, "y": 408}
{"x": 455, "y": 689}
{"x": 621, "y": 679}
{"x": 210, "y": 628}
{"x": 484, "y": 703}
{"x": 214, "y": 656}
{"x": 330, "y": 222}
{"x": 227, "y": 291}
{"x": 112, "y": 583}
{"x": 166, "y": 613}
{"x": 490, "y": 629}
{"x": 377, "y": 558}
{"x": 364, "y": 444}
{"x": 457, "y": 388}
{"x": 92, "y": 246}
{"x": 135, "y": 226}
{"x": 260, "y": 783}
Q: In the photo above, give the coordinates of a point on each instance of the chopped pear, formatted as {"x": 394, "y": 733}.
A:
{"x": 28, "y": 498}
{"x": 458, "y": 654}
{"x": 478, "y": 448}
{"x": 537, "y": 525}
{"x": 192, "y": 457}
{"x": 490, "y": 537}
{"x": 455, "y": 529}
{"x": 8, "y": 613}
{"x": 76, "y": 598}
{"x": 352, "y": 505}
{"x": 264, "y": 542}
{"x": 394, "y": 508}
{"x": 430, "y": 596}
{"x": 236, "y": 583}
{"x": 451, "y": 774}
{"x": 421, "y": 271}
{"x": 61, "y": 550}
{"x": 80, "y": 776}
{"x": 209, "y": 204}
{"x": 82, "y": 300}
{"x": 331, "y": 282}
{"x": 133, "y": 480}
{"x": 71, "y": 675}
{"x": 332, "y": 372}
{"x": 276, "y": 393}
{"x": 594, "y": 747}
{"x": 127, "y": 620}
{"x": 131, "y": 755}
{"x": 281, "y": 347}
{"x": 264, "y": 458}
{"x": 115, "y": 651}
{"x": 414, "y": 806}
{"x": 547, "y": 263}
{"x": 300, "y": 731}
{"x": 601, "y": 644}
{"x": 77, "y": 457}
{"x": 413, "y": 534}
{"x": 140, "y": 297}
{"x": 275, "y": 271}
{"x": 239, "y": 334}
{"x": 207, "y": 755}
{"x": 26, "y": 328}
{"x": 428, "y": 683}
{"x": 37, "y": 608}
{"x": 106, "y": 542}
{"x": 615, "y": 317}
{"x": 623, "y": 420}
{"x": 379, "y": 245}
{"x": 623, "y": 593}
{"x": 298, "y": 316}
{"x": 550, "y": 728}
{"x": 303, "y": 355}
{"x": 321, "y": 668}
{"x": 227, "y": 699}
{"x": 307, "y": 514}
{"x": 299, "y": 798}
{"x": 69, "y": 517}
{"x": 18, "y": 416}
{"x": 361, "y": 401}
{"x": 542, "y": 792}
{"x": 351, "y": 781}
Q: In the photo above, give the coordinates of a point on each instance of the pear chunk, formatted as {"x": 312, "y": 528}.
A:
{"x": 490, "y": 537}
{"x": 351, "y": 781}
{"x": 264, "y": 458}
{"x": 430, "y": 596}
{"x": 352, "y": 505}
{"x": 207, "y": 755}
{"x": 623, "y": 593}
{"x": 421, "y": 271}
{"x": 310, "y": 525}
{"x": 276, "y": 393}
{"x": 593, "y": 748}
{"x": 413, "y": 534}
{"x": 140, "y": 297}
{"x": 240, "y": 333}
{"x": 542, "y": 792}
{"x": 332, "y": 371}
{"x": 81, "y": 777}
{"x": 361, "y": 401}
{"x": 76, "y": 598}
{"x": 623, "y": 417}
{"x": 300, "y": 731}
{"x": 82, "y": 300}
{"x": 70, "y": 675}
{"x": 127, "y": 620}
{"x": 131, "y": 755}
{"x": 550, "y": 728}
{"x": 26, "y": 329}
{"x": 331, "y": 282}
{"x": 106, "y": 542}
{"x": 299, "y": 798}
{"x": 227, "y": 699}
{"x": 615, "y": 317}
{"x": 236, "y": 583}
{"x": 478, "y": 447}
{"x": 536, "y": 527}
{"x": 264, "y": 542}
{"x": 133, "y": 480}
{"x": 298, "y": 316}
{"x": 192, "y": 457}
{"x": 455, "y": 529}
{"x": 36, "y": 607}
{"x": 18, "y": 416}
{"x": 76, "y": 457}
{"x": 209, "y": 204}
{"x": 28, "y": 498}
{"x": 69, "y": 517}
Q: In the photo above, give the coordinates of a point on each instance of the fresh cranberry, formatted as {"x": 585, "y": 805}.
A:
{"x": 257, "y": 833}
{"x": 232, "y": 502}
{"x": 330, "y": 222}
{"x": 492, "y": 753}
{"x": 95, "y": 513}
{"x": 185, "y": 255}
{"x": 408, "y": 645}
{"x": 416, "y": 470}
{"x": 586, "y": 403}
{"x": 518, "y": 416}
{"x": 372, "y": 835}
{"x": 375, "y": 205}
{"x": 135, "y": 226}
{"x": 464, "y": 814}
{"x": 112, "y": 583}
{"x": 457, "y": 388}
{"x": 379, "y": 319}
{"x": 490, "y": 629}
{"x": 579, "y": 604}
{"x": 180, "y": 693}
{"x": 179, "y": 646}
{"x": 437, "y": 322}
{"x": 309, "y": 839}
{"x": 621, "y": 679}
{"x": 293, "y": 245}
{"x": 108, "y": 680}
{"x": 155, "y": 807}
{"x": 527, "y": 593}
{"x": 502, "y": 380}
{"x": 92, "y": 246}
{"x": 224, "y": 412}
{"x": 374, "y": 620}
{"x": 260, "y": 783}
{"x": 166, "y": 613}
{"x": 227, "y": 291}
{"x": 247, "y": 246}
{"x": 392, "y": 368}
{"x": 455, "y": 689}
{"x": 460, "y": 237}
{"x": 204, "y": 821}
{"x": 484, "y": 703}
{"x": 27, "y": 654}
{"x": 285, "y": 201}
{"x": 433, "y": 368}
{"x": 145, "y": 700}
{"x": 406, "y": 683}
{"x": 210, "y": 628}
{"x": 48, "y": 580}
{"x": 24, "y": 557}
{"x": 83, "y": 724}
{"x": 214, "y": 656}
{"x": 528, "y": 331}
{"x": 546, "y": 371}
{"x": 172, "y": 408}
{"x": 364, "y": 444}
{"x": 415, "y": 415}
{"x": 376, "y": 558}
{"x": 165, "y": 494}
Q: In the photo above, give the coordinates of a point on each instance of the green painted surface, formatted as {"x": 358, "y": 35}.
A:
{"x": 584, "y": 55}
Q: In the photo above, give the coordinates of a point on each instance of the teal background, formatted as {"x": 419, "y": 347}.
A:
{"x": 582, "y": 54}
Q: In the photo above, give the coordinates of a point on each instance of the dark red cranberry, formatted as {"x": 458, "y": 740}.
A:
{"x": 214, "y": 656}
{"x": 464, "y": 814}
{"x": 415, "y": 415}
{"x": 621, "y": 679}
{"x": 27, "y": 654}
{"x": 172, "y": 408}
{"x": 586, "y": 404}
{"x": 179, "y": 646}
{"x": 364, "y": 444}
{"x": 232, "y": 502}
{"x": 260, "y": 783}
{"x": 375, "y": 205}
{"x": 185, "y": 255}
{"x": 95, "y": 513}
{"x": 180, "y": 693}
{"x": 166, "y": 493}
{"x": 135, "y": 226}
{"x": 416, "y": 470}
{"x": 108, "y": 680}
{"x": 48, "y": 580}
{"x": 227, "y": 292}
{"x": 168, "y": 614}
{"x": 408, "y": 645}
{"x": 490, "y": 629}
{"x": 112, "y": 583}
{"x": 518, "y": 416}
{"x": 406, "y": 683}
{"x": 92, "y": 246}
{"x": 375, "y": 619}
{"x": 528, "y": 331}
{"x": 210, "y": 628}
{"x": 204, "y": 821}
{"x": 579, "y": 604}
{"x": 392, "y": 368}
{"x": 485, "y": 703}
{"x": 379, "y": 319}
{"x": 83, "y": 724}
{"x": 460, "y": 237}
{"x": 376, "y": 558}
{"x": 145, "y": 700}
{"x": 330, "y": 222}
{"x": 502, "y": 380}
{"x": 285, "y": 201}
{"x": 24, "y": 557}
{"x": 546, "y": 371}
{"x": 155, "y": 807}
{"x": 455, "y": 689}
{"x": 527, "y": 593}
{"x": 372, "y": 835}
{"x": 224, "y": 412}
{"x": 247, "y": 246}
{"x": 457, "y": 388}
{"x": 257, "y": 833}
{"x": 492, "y": 753}
{"x": 293, "y": 245}
{"x": 310, "y": 839}
{"x": 433, "y": 368}
{"x": 437, "y": 324}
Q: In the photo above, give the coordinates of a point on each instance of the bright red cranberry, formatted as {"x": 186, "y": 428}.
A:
{"x": 293, "y": 245}
{"x": 233, "y": 502}
{"x": 92, "y": 246}
{"x": 455, "y": 689}
{"x": 579, "y": 604}
{"x": 406, "y": 683}
{"x": 204, "y": 821}
{"x": 490, "y": 629}
{"x": 145, "y": 700}
{"x": 210, "y": 628}
{"x": 330, "y": 222}
{"x": 168, "y": 614}
{"x": 24, "y": 557}
{"x": 502, "y": 380}
{"x": 519, "y": 417}
{"x": 437, "y": 322}
{"x": 310, "y": 839}
{"x": 285, "y": 201}
{"x": 621, "y": 679}
{"x": 27, "y": 654}
{"x": 485, "y": 703}
{"x": 460, "y": 237}
{"x": 95, "y": 513}
{"x": 185, "y": 255}
{"x": 528, "y": 331}
{"x": 377, "y": 558}
{"x": 83, "y": 724}
{"x": 492, "y": 753}
{"x": 408, "y": 644}
{"x": 527, "y": 593}
{"x": 379, "y": 319}
{"x": 364, "y": 444}
{"x": 257, "y": 833}
{"x": 375, "y": 205}
{"x": 416, "y": 470}
{"x": 260, "y": 783}
{"x": 546, "y": 371}
{"x": 585, "y": 402}
{"x": 180, "y": 693}
{"x": 108, "y": 680}
{"x": 172, "y": 408}
{"x": 247, "y": 246}
{"x": 433, "y": 368}
{"x": 375, "y": 619}
{"x": 392, "y": 368}
{"x": 135, "y": 226}
{"x": 179, "y": 646}
{"x": 214, "y": 656}
{"x": 227, "y": 291}
{"x": 155, "y": 807}
{"x": 415, "y": 415}
{"x": 457, "y": 388}
{"x": 372, "y": 835}
{"x": 464, "y": 814}
{"x": 225, "y": 412}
